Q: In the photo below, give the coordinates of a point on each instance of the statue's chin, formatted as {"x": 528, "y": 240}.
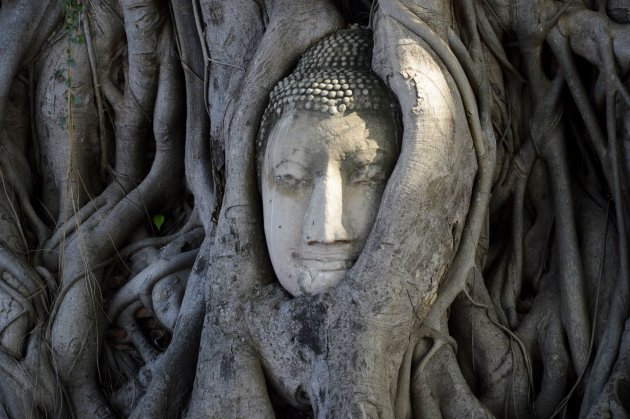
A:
{"x": 313, "y": 282}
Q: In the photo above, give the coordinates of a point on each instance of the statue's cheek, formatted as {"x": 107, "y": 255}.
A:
{"x": 361, "y": 204}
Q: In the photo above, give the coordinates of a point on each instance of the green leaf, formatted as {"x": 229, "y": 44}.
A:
{"x": 72, "y": 63}
{"x": 77, "y": 100}
{"x": 158, "y": 221}
{"x": 63, "y": 120}
{"x": 60, "y": 75}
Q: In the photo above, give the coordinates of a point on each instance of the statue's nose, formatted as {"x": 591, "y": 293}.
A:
{"x": 324, "y": 218}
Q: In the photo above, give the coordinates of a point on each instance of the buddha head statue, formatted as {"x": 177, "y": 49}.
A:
{"x": 327, "y": 144}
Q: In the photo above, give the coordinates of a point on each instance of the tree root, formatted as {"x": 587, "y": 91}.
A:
{"x": 439, "y": 389}
{"x": 377, "y": 345}
{"x": 500, "y": 372}
{"x": 141, "y": 286}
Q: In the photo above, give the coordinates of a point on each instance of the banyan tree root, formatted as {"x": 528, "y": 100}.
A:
{"x": 439, "y": 389}
{"x": 495, "y": 278}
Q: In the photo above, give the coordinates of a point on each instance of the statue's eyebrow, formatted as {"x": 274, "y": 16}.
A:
{"x": 293, "y": 153}
{"x": 289, "y": 160}
{"x": 378, "y": 153}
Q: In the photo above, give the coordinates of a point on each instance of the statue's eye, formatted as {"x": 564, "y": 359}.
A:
{"x": 288, "y": 180}
{"x": 369, "y": 174}
{"x": 290, "y": 174}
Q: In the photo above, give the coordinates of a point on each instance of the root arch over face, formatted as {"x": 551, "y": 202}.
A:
{"x": 134, "y": 276}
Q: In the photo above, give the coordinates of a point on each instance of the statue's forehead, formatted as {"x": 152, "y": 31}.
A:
{"x": 348, "y": 133}
{"x": 353, "y": 124}
{"x": 318, "y": 121}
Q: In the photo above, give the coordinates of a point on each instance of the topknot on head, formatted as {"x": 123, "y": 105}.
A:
{"x": 347, "y": 49}
{"x": 334, "y": 76}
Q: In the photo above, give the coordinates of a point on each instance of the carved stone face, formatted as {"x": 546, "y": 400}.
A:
{"x": 322, "y": 181}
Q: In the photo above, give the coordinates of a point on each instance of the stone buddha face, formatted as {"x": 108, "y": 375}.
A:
{"x": 322, "y": 181}
{"x": 327, "y": 144}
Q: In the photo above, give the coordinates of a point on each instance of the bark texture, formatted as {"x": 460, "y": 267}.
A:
{"x": 134, "y": 276}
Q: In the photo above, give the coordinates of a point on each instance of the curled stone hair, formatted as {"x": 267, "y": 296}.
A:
{"x": 335, "y": 77}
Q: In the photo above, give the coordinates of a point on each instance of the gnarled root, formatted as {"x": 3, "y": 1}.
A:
{"x": 438, "y": 388}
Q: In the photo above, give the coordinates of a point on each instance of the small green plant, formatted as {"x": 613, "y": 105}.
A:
{"x": 72, "y": 11}
{"x": 158, "y": 221}
{"x": 63, "y": 122}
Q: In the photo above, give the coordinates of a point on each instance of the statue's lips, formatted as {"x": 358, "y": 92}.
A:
{"x": 327, "y": 264}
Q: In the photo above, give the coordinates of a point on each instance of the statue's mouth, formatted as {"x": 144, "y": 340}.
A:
{"x": 327, "y": 264}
